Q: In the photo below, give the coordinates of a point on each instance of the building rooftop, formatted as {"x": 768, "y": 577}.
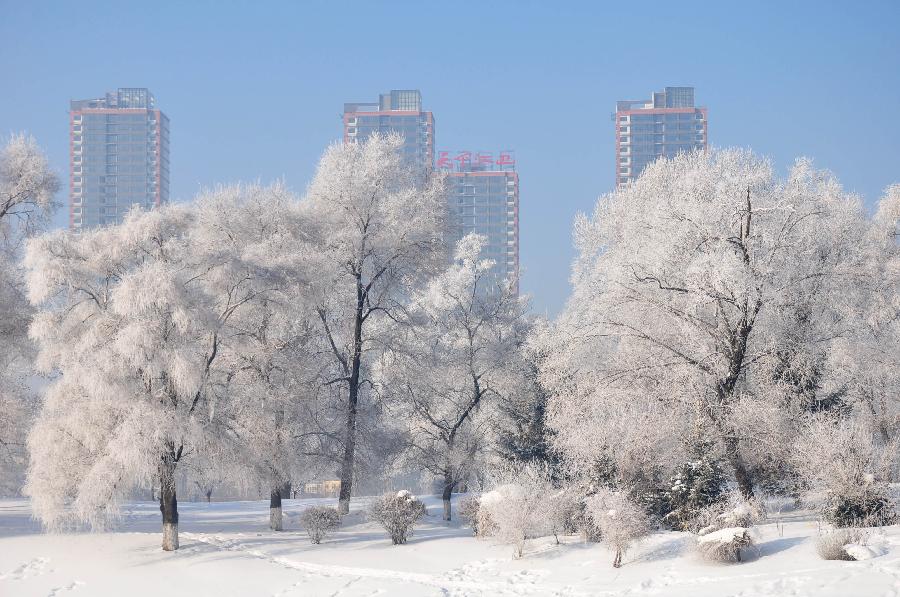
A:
{"x": 670, "y": 97}
{"x": 123, "y": 98}
{"x": 396, "y": 100}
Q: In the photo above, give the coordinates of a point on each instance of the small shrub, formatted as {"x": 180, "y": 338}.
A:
{"x": 584, "y": 524}
{"x": 830, "y": 545}
{"x": 869, "y": 509}
{"x": 319, "y": 521}
{"x": 724, "y": 545}
{"x": 564, "y": 510}
{"x": 397, "y": 513}
{"x": 468, "y": 509}
{"x": 733, "y": 510}
{"x": 621, "y": 522}
{"x": 852, "y": 466}
{"x": 517, "y": 508}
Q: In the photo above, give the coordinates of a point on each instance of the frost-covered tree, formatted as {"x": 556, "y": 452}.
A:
{"x": 271, "y": 369}
{"x": 620, "y": 521}
{"x": 707, "y": 296}
{"x": 27, "y": 189}
{"x": 134, "y": 319}
{"x": 519, "y": 505}
{"x": 868, "y": 360}
{"x": 458, "y": 358}
{"x": 378, "y": 228}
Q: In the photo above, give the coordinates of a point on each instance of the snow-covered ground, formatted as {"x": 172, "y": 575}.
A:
{"x": 228, "y": 550}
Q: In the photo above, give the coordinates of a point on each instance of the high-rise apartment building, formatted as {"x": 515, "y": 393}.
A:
{"x": 663, "y": 126}
{"x": 398, "y": 111}
{"x": 484, "y": 198}
{"x": 119, "y": 157}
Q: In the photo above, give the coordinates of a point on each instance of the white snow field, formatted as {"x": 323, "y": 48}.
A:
{"x": 227, "y": 549}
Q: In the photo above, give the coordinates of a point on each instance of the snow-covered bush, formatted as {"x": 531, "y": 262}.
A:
{"x": 694, "y": 486}
{"x": 724, "y": 545}
{"x": 873, "y": 510}
{"x": 853, "y": 467}
{"x": 397, "y": 513}
{"x": 830, "y": 545}
{"x": 319, "y": 521}
{"x": 516, "y": 509}
{"x": 468, "y": 509}
{"x": 621, "y": 522}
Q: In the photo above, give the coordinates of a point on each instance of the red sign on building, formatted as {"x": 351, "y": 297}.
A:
{"x": 467, "y": 161}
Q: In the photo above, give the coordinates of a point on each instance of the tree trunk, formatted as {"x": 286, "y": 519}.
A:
{"x": 168, "y": 502}
{"x": 208, "y": 494}
{"x": 446, "y": 495}
{"x": 347, "y": 462}
{"x": 275, "y": 515}
{"x": 617, "y": 562}
{"x": 352, "y": 404}
{"x": 742, "y": 474}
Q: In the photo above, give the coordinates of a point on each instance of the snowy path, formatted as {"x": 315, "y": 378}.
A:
{"x": 458, "y": 582}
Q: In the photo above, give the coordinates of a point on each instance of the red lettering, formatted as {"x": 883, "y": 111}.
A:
{"x": 463, "y": 157}
{"x": 506, "y": 159}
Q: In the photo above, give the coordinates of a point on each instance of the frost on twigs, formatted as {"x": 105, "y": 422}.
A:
{"x": 319, "y": 521}
{"x": 468, "y": 509}
{"x": 397, "y": 513}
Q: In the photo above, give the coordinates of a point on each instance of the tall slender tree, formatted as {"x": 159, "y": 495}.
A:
{"x": 379, "y": 226}
{"x": 460, "y": 356}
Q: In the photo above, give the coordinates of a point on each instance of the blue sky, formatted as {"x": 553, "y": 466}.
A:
{"x": 254, "y": 90}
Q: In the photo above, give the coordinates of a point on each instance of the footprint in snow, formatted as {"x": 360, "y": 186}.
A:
{"x": 69, "y": 587}
{"x": 35, "y": 567}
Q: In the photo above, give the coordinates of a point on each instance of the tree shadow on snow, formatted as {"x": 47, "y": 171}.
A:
{"x": 667, "y": 550}
{"x": 777, "y": 545}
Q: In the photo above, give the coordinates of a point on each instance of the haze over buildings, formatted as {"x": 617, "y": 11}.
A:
{"x": 119, "y": 157}
{"x": 663, "y": 126}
